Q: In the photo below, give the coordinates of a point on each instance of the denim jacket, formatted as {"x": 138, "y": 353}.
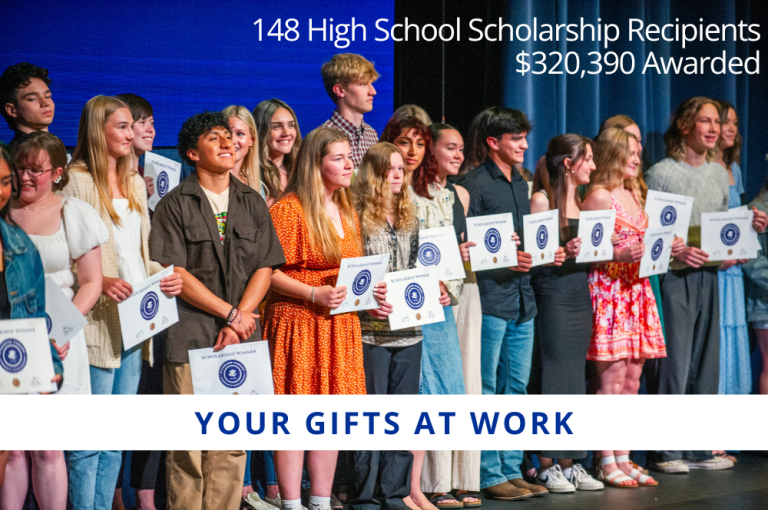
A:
{"x": 756, "y": 271}
{"x": 25, "y": 279}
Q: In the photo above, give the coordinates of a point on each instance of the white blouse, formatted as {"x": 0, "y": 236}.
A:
{"x": 128, "y": 243}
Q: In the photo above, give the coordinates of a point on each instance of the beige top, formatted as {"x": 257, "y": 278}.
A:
{"x": 103, "y": 334}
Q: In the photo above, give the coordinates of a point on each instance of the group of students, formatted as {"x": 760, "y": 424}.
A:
{"x": 256, "y": 235}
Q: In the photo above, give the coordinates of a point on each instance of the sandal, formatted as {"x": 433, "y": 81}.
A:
{"x": 614, "y": 478}
{"x": 439, "y": 500}
{"x": 637, "y": 475}
{"x": 640, "y": 468}
{"x": 462, "y": 495}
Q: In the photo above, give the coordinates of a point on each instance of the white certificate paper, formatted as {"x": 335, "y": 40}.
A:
{"x": 595, "y": 231}
{"x": 360, "y": 275}
{"x": 658, "y": 250}
{"x": 240, "y": 369}
{"x": 63, "y": 319}
{"x": 493, "y": 236}
{"x": 148, "y": 311}
{"x": 166, "y": 174}
{"x": 415, "y": 298}
{"x": 729, "y": 235}
{"x": 439, "y": 251}
{"x": 669, "y": 210}
{"x": 26, "y": 365}
{"x": 541, "y": 232}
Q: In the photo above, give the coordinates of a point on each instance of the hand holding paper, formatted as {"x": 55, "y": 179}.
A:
{"x": 355, "y": 287}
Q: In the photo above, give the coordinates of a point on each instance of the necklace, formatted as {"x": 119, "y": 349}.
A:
{"x": 41, "y": 208}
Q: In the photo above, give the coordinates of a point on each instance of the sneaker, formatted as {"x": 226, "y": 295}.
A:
{"x": 254, "y": 501}
{"x": 554, "y": 480}
{"x": 582, "y": 480}
{"x": 671, "y": 467}
{"x": 276, "y": 502}
{"x": 714, "y": 463}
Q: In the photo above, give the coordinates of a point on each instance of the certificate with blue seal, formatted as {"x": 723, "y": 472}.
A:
{"x": 729, "y": 235}
{"x": 240, "y": 369}
{"x": 595, "y": 230}
{"x": 415, "y": 298}
{"x": 63, "y": 319}
{"x": 669, "y": 210}
{"x": 439, "y": 251}
{"x": 541, "y": 236}
{"x": 26, "y": 365}
{"x": 166, "y": 174}
{"x": 494, "y": 247}
{"x": 658, "y": 251}
{"x": 147, "y": 311}
{"x": 359, "y": 275}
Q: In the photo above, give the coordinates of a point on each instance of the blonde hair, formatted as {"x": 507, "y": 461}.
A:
{"x": 372, "y": 193}
{"x": 344, "y": 69}
{"x": 412, "y": 110}
{"x": 612, "y": 151}
{"x": 91, "y": 155}
{"x": 617, "y": 121}
{"x": 250, "y": 168}
{"x": 307, "y": 183}
{"x": 684, "y": 118}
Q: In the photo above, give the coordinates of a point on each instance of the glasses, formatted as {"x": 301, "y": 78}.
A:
{"x": 34, "y": 173}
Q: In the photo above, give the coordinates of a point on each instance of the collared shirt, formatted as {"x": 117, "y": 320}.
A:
{"x": 361, "y": 138}
{"x": 185, "y": 234}
{"x": 504, "y": 293}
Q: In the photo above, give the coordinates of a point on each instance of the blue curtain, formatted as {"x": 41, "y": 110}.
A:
{"x": 569, "y": 103}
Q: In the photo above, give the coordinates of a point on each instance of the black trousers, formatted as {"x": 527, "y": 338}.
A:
{"x": 392, "y": 370}
{"x": 392, "y": 469}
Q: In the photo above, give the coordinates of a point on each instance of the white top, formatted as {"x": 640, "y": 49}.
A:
{"x": 128, "y": 243}
{"x": 80, "y": 231}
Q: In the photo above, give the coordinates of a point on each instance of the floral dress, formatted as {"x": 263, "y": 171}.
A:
{"x": 625, "y": 319}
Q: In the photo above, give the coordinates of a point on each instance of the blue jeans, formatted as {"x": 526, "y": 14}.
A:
{"x": 441, "y": 367}
{"x": 263, "y": 465}
{"x": 93, "y": 473}
{"x": 507, "y": 348}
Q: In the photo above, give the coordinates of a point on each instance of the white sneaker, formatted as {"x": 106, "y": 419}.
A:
{"x": 670, "y": 467}
{"x": 554, "y": 480}
{"x": 714, "y": 463}
{"x": 582, "y": 480}
{"x": 257, "y": 503}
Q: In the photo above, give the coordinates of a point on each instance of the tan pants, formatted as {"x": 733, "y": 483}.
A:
{"x": 209, "y": 480}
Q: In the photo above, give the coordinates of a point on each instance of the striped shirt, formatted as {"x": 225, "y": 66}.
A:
{"x": 361, "y": 138}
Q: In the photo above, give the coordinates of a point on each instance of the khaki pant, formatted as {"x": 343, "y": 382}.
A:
{"x": 209, "y": 480}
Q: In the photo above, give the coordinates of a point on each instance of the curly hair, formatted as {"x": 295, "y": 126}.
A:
{"x": 426, "y": 173}
{"x": 196, "y": 126}
{"x": 372, "y": 193}
{"x": 15, "y": 77}
{"x": 685, "y": 118}
{"x": 730, "y": 154}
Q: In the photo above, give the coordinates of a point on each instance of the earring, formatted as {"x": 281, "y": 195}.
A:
{"x": 57, "y": 179}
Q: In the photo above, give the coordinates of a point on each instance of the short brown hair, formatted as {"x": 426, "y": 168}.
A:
{"x": 50, "y": 144}
{"x": 344, "y": 69}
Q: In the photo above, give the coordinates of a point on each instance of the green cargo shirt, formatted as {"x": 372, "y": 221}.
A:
{"x": 184, "y": 233}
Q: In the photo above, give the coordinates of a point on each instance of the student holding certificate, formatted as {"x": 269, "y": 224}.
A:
{"x": 312, "y": 351}
{"x": 278, "y": 140}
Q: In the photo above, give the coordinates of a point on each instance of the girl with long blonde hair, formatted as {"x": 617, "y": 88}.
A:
{"x": 244, "y": 137}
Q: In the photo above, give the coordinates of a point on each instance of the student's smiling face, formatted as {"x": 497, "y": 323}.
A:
{"x": 703, "y": 135}
{"x": 215, "y": 151}
{"x": 143, "y": 135}
{"x": 241, "y": 137}
{"x": 282, "y": 134}
{"x": 119, "y": 133}
{"x": 336, "y": 166}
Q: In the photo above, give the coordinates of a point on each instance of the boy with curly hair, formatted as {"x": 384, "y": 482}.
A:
{"x": 26, "y": 100}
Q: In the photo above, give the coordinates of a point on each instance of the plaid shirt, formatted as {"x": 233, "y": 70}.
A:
{"x": 361, "y": 138}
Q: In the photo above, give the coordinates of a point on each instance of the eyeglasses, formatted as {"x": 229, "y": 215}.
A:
{"x": 34, "y": 173}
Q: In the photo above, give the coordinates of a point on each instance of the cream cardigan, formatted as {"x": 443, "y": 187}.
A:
{"x": 103, "y": 334}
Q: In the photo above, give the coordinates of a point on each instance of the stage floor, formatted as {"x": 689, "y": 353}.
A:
{"x": 745, "y": 487}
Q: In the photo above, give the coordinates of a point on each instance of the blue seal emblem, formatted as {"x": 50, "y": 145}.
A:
{"x": 657, "y": 248}
{"x": 13, "y": 356}
{"x": 362, "y": 282}
{"x": 429, "y": 254}
{"x": 597, "y": 234}
{"x": 162, "y": 184}
{"x": 232, "y": 374}
{"x": 492, "y": 240}
{"x": 541, "y": 237}
{"x": 48, "y": 323}
{"x": 414, "y": 296}
{"x": 149, "y": 306}
{"x": 668, "y": 216}
{"x": 730, "y": 234}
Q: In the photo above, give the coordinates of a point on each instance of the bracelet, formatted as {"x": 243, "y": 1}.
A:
{"x": 232, "y": 315}
{"x": 312, "y": 296}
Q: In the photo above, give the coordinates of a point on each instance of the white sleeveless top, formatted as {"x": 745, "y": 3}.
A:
{"x": 128, "y": 243}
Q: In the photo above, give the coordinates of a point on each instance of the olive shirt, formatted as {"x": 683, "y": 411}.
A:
{"x": 185, "y": 234}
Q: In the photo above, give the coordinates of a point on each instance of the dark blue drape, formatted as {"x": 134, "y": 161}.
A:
{"x": 569, "y": 103}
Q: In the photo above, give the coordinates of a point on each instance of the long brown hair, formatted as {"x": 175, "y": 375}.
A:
{"x": 372, "y": 193}
{"x": 270, "y": 174}
{"x": 550, "y": 175}
{"x": 91, "y": 155}
{"x": 731, "y": 154}
{"x": 684, "y": 118}
{"x": 612, "y": 152}
{"x": 307, "y": 183}
{"x": 43, "y": 141}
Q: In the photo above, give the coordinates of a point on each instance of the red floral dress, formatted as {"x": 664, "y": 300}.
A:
{"x": 625, "y": 319}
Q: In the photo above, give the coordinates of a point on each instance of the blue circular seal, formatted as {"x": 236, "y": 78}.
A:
{"x": 162, "y": 184}
{"x": 232, "y": 374}
{"x": 730, "y": 234}
{"x": 668, "y": 216}
{"x": 48, "y": 323}
{"x": 414, "y": 296}
{"x": 149, "y": 306}
{"x": 658, "y": 246}
{"x": 429, "y": 254}
{"x": 542, "y": 236}
{"x": 362, "y": 282}
{"x": 13, "y": 356}
{"x": 597, "y": 234}
{"x": 492, "y": 240}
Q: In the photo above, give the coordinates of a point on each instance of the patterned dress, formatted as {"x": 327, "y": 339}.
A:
{"x": 625, "y": 320}
{"x": 313, "y": 352}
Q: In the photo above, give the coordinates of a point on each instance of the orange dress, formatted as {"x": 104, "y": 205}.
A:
{"x": 625, "y": 318}
{"x": 313, "y": 352}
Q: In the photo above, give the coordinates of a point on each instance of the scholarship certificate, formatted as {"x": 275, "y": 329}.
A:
{"x": 26, "y": 365}
{"x": 729, "y": 235}
{"x": 658, "y": 250}
{"x": 147, "y": 311}
{"x": 541, "y": 233}
{"x": 595, "y": 230}
{"x": 493, "y": 236}
{"x": 241, "y": 369}
{"x": 415, "y": 298}
{"x": 63, "y": 319}
{"x": 166, "y": 173}
{"x": 359, "y": 275}
{"x": 439, "y": 251}
{"x": 669, "y": 210}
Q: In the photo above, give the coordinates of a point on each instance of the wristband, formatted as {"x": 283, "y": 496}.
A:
{"x": 232, "y": 315}
{"x": 312, "y": 296}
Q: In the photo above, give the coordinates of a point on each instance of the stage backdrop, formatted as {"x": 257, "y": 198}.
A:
{"x": 188, "y": 57}
{"x": 567, "y": 103}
